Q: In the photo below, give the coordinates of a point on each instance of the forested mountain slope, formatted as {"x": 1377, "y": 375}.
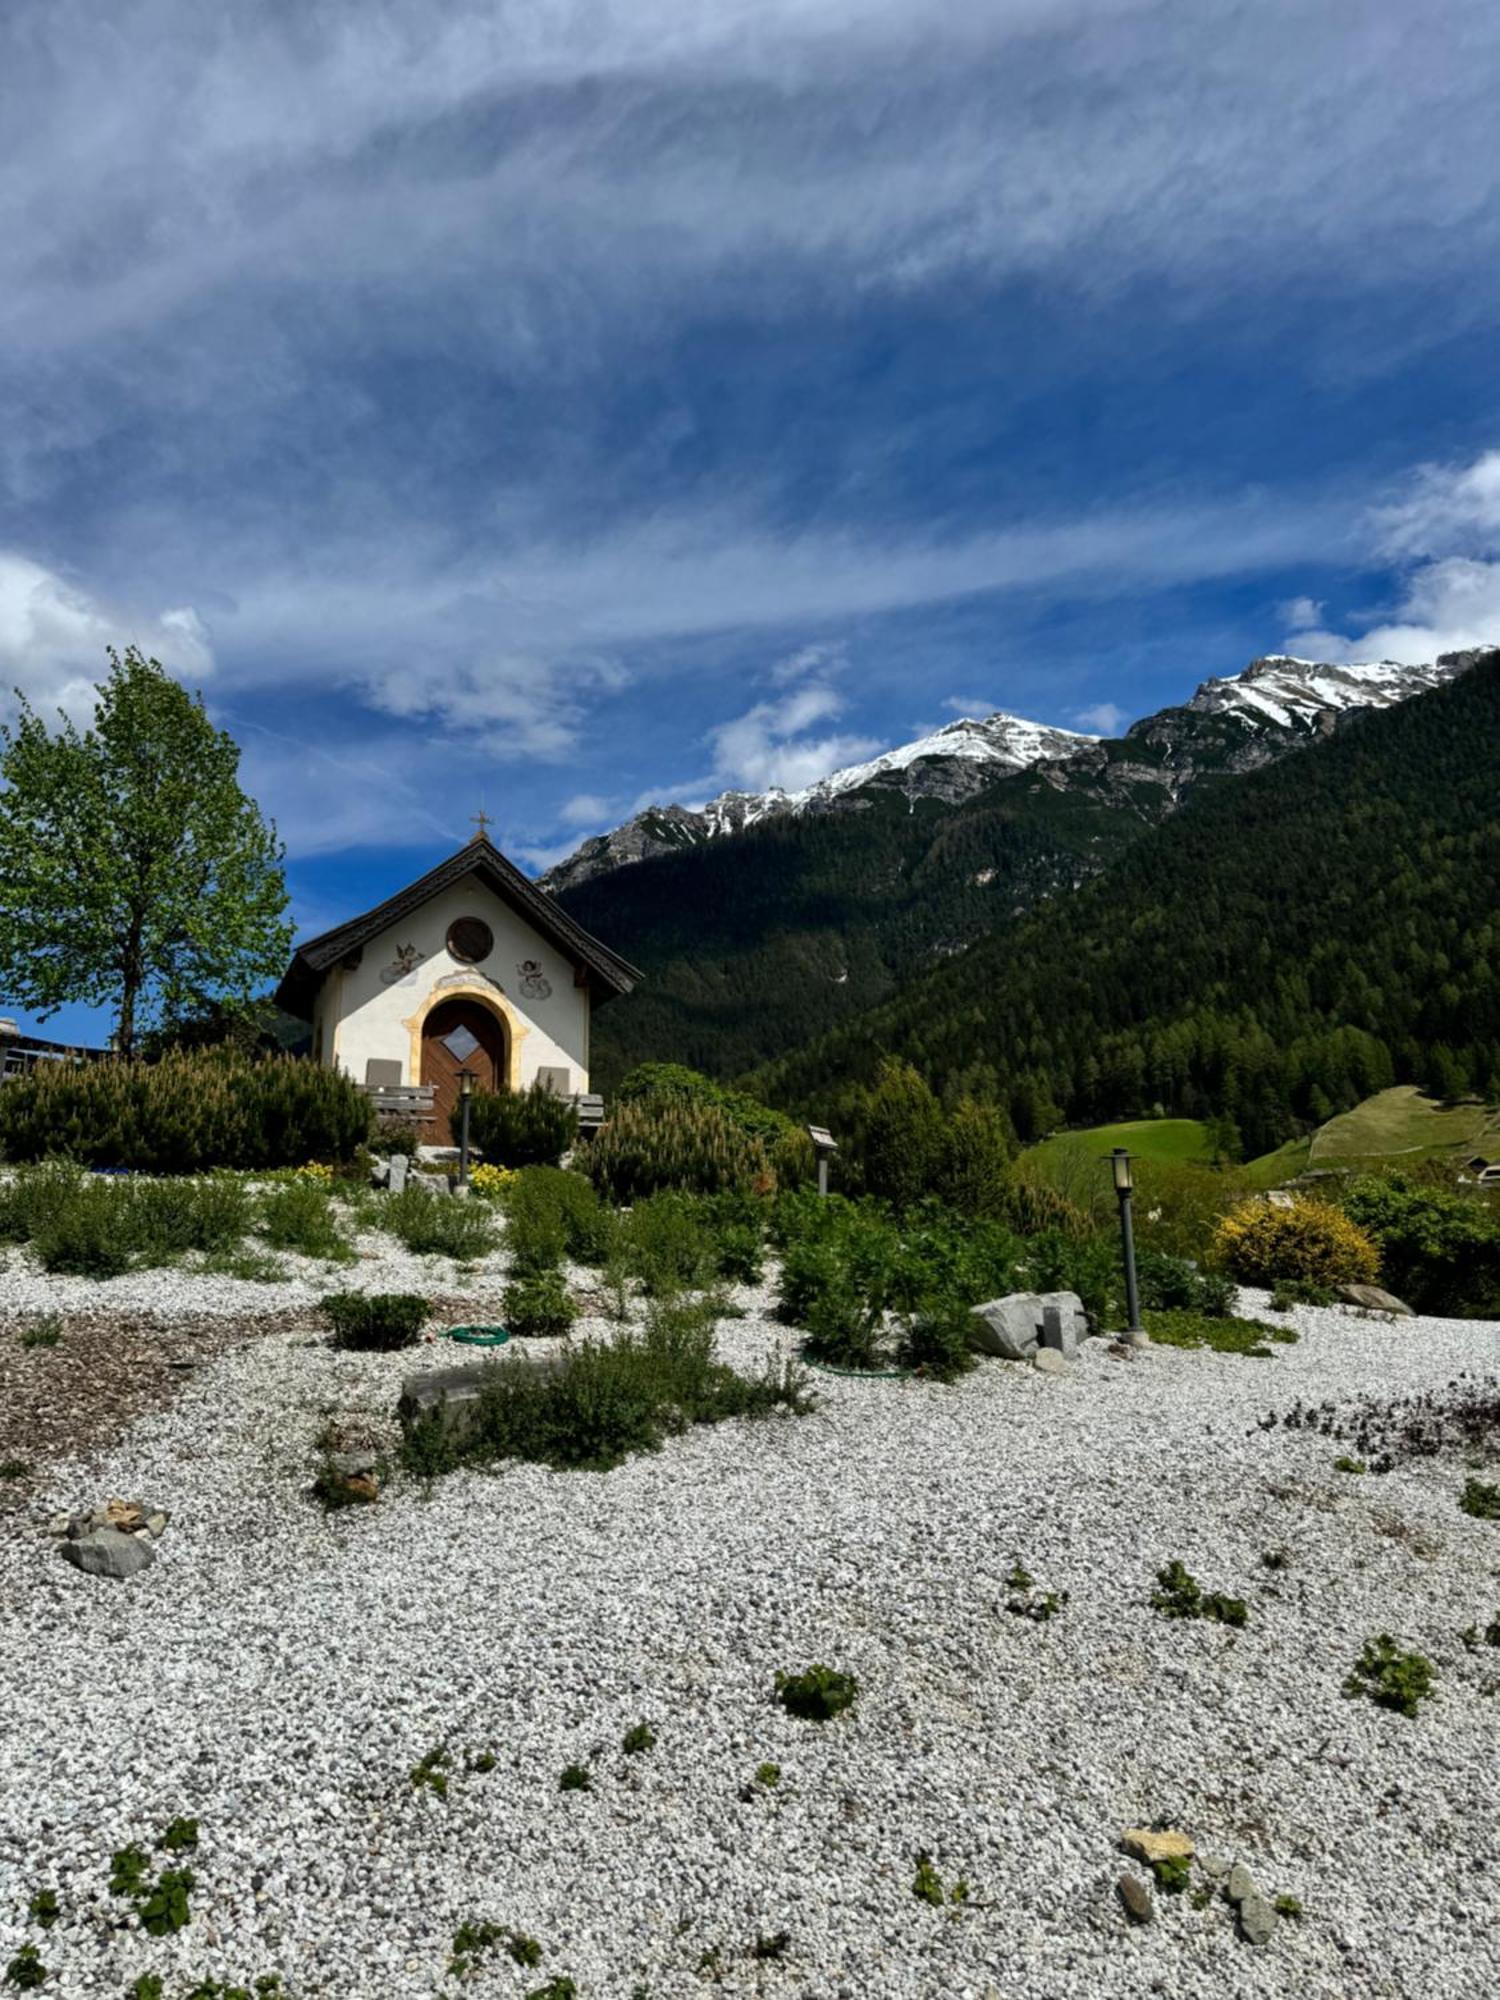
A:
{"x": 1308, "y": 933}
{"x": 756, "y": 940}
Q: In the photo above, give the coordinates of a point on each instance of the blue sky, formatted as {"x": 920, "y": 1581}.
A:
{"x": 554, "y": 407}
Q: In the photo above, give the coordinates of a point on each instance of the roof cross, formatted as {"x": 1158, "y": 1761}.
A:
{"x": 481, "y": 820}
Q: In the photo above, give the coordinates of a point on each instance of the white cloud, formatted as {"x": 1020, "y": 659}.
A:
{"x": 769, "y": 744}
{"x": 583, "y": 809}
{"x": 53, "y": 635}
{"x": 1301, "y": 614}
{"x": 970, "y": 704}
{"x": 1444, "y": 532}
{"x": 1105, "y": 716}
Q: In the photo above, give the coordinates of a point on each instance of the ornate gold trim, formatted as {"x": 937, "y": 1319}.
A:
{"x": 459, "y": 987}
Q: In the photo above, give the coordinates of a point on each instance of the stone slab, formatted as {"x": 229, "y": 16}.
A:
{"x": 108, "y": 1552}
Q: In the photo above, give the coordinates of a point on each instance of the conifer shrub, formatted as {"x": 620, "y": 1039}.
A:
{"x": 1259, "y": 1242}
{"x": 647, "y": 1145}
{"x": 188, "y": 1112}
{"x": 520, "y": 1128}
{"x": 374, "y": 1322}
{"x": 1031, "y": 1206}
{"x": 899, "y": 1136}
{"x": 973, "y": 1172}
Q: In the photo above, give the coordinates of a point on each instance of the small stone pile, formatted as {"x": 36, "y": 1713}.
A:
{"x": 117, "y": 1540}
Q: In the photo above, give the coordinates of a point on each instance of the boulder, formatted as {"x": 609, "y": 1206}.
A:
{"x": 1374, "y": 1300}
{"x": 1241, "y": 1884}
{"x": 109, "y": 1552}
{"x": 1013, "y": 1327}
{"x": 1136, "y": 1897}
{"x": 1257, "y": 1920}
{"x": 450, "y": 1396}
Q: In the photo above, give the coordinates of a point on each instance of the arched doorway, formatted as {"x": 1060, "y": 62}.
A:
{"x": 457, "y": 1034}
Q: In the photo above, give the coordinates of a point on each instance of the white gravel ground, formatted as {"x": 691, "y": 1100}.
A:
{"x": 279, "y": 1672}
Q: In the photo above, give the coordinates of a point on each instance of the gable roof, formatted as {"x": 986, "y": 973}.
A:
{"x": 480, "y": 858}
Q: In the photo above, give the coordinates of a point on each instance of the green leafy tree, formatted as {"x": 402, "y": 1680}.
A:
{"x": 134, "y": 871}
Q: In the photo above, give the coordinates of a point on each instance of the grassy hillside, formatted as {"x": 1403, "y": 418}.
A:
{"x": 1405, "y": 1124}
{"x": 1166, "y": 1139}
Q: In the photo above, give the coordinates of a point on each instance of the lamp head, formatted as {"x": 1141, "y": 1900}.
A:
{"x": 467, "y": 1078}
{"x": 1119, "y": 1163}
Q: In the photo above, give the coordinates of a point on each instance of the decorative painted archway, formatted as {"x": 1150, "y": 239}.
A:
{"x": 467, "y": 986}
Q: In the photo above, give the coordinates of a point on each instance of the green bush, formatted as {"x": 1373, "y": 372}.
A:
{"x": 899, "y": 1137}
{"x": 535, "y": 1305}
{"x": 553, "y": 1214}
{"x": 935, "y": 1342}
{"x": 1439, "y": 1249}
{"x": 520, "y": 1128}
{"x": 188, "y": 1112}
{"x": 973, "y": 1161}
{"x": 299, "y": 1215}
{"x": 818, "y": 1693}
{"x": 374, "y": 1322}
{"x": 604, "y": 1401}
{"x": 650, "y": 1144}
{"x": 173, "y": 1216}
{"x": 430, "y": 1224}
{"x": 86, "y": 1233}
{"x": 667, "y": 1245}
{"x": 1166, "y": 1283}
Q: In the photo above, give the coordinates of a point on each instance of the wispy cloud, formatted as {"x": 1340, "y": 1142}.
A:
{"x": 53, "y": 635}
{"x": 1105, "y": 716}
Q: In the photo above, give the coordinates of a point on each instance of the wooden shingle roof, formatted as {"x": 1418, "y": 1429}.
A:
{"x": 608, "y": 973}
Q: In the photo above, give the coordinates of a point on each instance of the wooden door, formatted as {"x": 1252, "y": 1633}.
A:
{"x": 460, "y": 1034}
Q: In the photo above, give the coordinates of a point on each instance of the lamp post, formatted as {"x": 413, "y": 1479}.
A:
{"x": 466, "y": 1081}
{"x": 1119, "y": 1161}
{"x": 825, "y": 1146}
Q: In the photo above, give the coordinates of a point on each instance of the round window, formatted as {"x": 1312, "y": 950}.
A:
{"x": 470, "y": 939}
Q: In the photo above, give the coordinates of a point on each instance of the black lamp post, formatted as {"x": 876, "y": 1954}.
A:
{"x": 467, "y": 1078}
{"x": 1119, "y": 1161}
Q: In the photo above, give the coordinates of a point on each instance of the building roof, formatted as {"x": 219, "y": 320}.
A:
{"x": 608, "y": 973}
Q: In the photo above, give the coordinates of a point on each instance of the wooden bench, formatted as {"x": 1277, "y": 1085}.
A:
{"x": 402, "y": 1103}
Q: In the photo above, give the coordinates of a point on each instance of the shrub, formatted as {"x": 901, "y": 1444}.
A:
{"x": 787, "y": 1145}
{"x": 899, "y": 1140}
{"x": 190, "y": 1111}
{"x": 553, "y": 1214}
{"x": 604, "y": 1401}
{"x": 520, "y": 1128}
{"x": 1391, "y": 1678}
{"x": 374, "y": 1322}
{"x": 647, "y": 1145}
{"x": 492, "y": 1183}
{"x": 536, "y": 1306}
{"x": 437, "y": 1225}
{"x": 1259, "y": 1242}
{"x": 936, "y": 1343}
{"x": 299, "y": 1215}
{"x": 84, "y": 1233}
{"x": 173, "y": 1216}
{"x": 1032, "y": 1206}
{"x": 1439, "y": 1249}
{"x": 973, "y": 1161}
{"x": 1167, "y": 1283}
{"x": 818, "y": 1693}
{"x": 666, "y": 1244}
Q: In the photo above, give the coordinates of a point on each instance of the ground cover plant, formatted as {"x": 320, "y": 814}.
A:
{"x": 1462, "y": 1420}
{"x": 602, "y": 1401}
{"x": 432, "y": 1224}
{"x": 1225, "y": 1334}
{"x": 1389, "y": 1677}
{"x": 1178, "y": 1594}
{"x": 818, "y": 1693}
{"x": 374, "y": 1322}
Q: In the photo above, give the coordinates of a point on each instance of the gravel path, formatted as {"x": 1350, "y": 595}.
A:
{"x": 279, "y": 1672}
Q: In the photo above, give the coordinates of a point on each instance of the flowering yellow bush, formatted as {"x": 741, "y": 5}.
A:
{"x": 315, "y": 1170}
{"x": 491, "y": 1181}
{"x": 1259, "y": 1242}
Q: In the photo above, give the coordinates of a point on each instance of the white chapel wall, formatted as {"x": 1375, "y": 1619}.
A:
{"x": 367, "y": 1011}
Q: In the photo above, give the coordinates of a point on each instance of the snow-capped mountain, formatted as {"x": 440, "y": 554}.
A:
{"x": 1228, "y": 725}
{"x": 953, "y": 762}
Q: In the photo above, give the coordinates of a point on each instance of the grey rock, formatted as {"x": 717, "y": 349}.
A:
{"x": 396, "y": 1173}
{"x": 450, "y": 1396}
{"x": 1374, "y": 1299}
{"x": 351, "y": 1462}
{"x": 1048, "y": 1361}
{"x": 1215, "y": 1866}
{"x": 1136, "y": 1897}
{"x": 1012, "y": 1327}
{"x": 1136, "y": 1338}
{"x": 1257, "y": 1920}
{"x": 107, "y": 1552}
{"x": 1241, "y": 1883}
{"x": 156, "y": 1523}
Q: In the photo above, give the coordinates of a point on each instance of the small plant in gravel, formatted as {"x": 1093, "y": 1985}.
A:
{"x": 768, "y": 1775}
{"x": 43, "y": 1332}
{"x": 430, "y": 1774}
{"x": 26, "y": 1970}
{"x": 575, "y": 1778}
{"x": 927, "y": 1884}
{"x": 1180, "y": 1595}
{"x": 181, "y": 1837}
{"x": 473, "y": 1940}
{"x": 560, "y": 1988}
{"x": 1223, "y": 1333}
{"x": 536, "y": 1306}
{"x": 485, "y": 1761}
{"x": 129, "y": 1871}
{"x": 1276, "y": 1559}
{"x": 818, "y": 1693}
{"x": 1391, "y": 1678}
{"x": 1481, "y": 1498}
{"x": 1344, "y": 1463}
{"x": 165, "y": 1908}
{"x": 15, "y": 1468}
{"x": 1288, "y": 1906}
{"x": 1473, "y": 1638}
{"x": 638, "y": 1738}
{"x": 374, "y": 1322}
{"x": 1038, "y": 1605}
{"x": 774, "y": 1947}
{"x": 44, "y": 1908}
{"x": 1172, "y": 1872}
{"x": 147, "y": 1986}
